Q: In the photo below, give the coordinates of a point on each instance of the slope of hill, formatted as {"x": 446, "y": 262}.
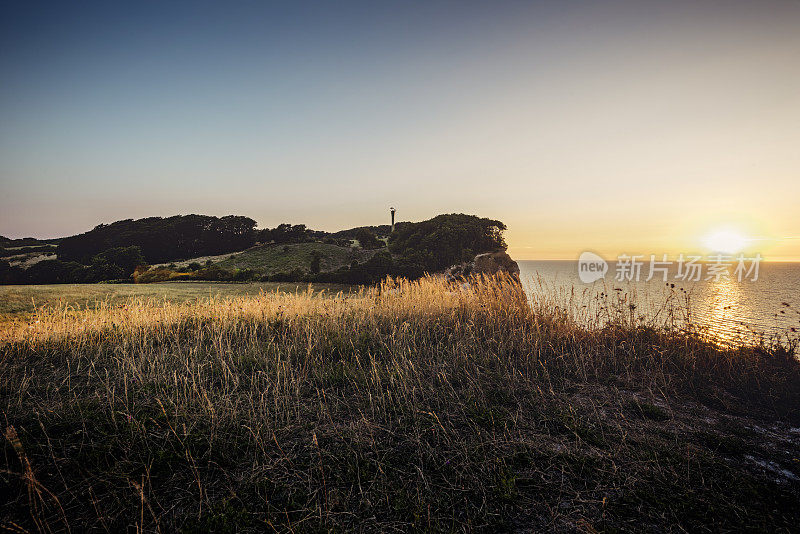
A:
{"x": 274, "y": 259}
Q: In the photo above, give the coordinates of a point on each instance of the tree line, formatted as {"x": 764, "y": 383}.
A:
{"x": 163, "y": 239}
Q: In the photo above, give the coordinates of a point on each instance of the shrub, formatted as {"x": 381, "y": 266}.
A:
{"x": 243, "y": 275}
{"x": 214, "y": 273}
{"x": 316, "y": 262}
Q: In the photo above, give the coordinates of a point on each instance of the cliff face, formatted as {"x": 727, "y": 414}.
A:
{"x": 494, "y": 262}
{"x": 487, "y": 263}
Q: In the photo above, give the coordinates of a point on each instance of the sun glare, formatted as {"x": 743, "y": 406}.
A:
{"x": 725, "y": 241}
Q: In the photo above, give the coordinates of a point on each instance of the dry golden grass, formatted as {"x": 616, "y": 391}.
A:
{"x": 411, "y": 406}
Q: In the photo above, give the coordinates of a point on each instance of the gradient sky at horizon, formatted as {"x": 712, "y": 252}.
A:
{"x": 614, "y": 126}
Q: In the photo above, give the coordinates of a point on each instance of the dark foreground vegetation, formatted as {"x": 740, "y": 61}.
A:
{"x": 413, "y": 406}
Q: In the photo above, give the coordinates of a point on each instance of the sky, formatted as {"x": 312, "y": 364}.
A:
{"x": 610, "y": 126}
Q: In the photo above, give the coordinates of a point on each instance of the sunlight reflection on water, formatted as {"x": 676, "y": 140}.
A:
{"x": 725, "y": 309}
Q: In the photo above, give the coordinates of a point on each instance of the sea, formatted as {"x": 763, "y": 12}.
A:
{"x": 762, "y": 305}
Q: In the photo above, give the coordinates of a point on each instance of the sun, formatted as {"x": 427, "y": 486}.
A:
{"x": 725, "y": 241}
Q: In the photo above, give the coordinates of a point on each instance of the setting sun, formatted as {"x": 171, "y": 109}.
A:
{"x": 725, "y": 241}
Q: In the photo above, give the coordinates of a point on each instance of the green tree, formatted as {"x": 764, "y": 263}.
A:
{"x": 367, "y": 239}
{"x": 126, "y": 258}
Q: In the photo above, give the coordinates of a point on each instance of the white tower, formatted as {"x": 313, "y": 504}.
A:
{"x": 392, "y": 210}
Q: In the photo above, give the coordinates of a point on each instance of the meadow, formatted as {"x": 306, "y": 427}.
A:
{"x": 421, "y": 405}
{"x": 20, "y": 301}
{"x": 273, "y": 259}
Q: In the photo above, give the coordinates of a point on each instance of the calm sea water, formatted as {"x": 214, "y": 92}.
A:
{"x": 726, "y": 309}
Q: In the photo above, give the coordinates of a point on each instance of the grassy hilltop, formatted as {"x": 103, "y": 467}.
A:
{"x": 274, "y": 259}
{"x": 411, "y": 406}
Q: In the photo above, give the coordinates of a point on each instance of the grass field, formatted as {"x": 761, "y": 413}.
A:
{"x": 272, "y": 259}
{"x": 410, "y": 407}
{"x": 21, "y": 300}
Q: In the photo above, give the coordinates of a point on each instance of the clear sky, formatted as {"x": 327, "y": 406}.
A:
{"x": 609, "y": 126}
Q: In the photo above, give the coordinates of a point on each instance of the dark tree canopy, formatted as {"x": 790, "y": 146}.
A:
{"x": 367, "y": 239}
{"x": 287, "y": 233}
{"x": 445, "y": 240}
{"x": 112, "y": 264}
{"x": 127, "y": 258}
{"x": 163, "y": 239}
